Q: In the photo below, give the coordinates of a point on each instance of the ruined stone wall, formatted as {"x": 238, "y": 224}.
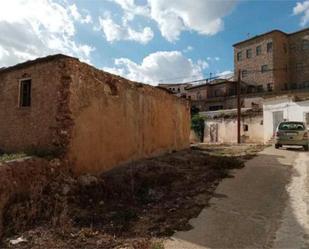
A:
{"x": 116, "y": 121}
{"x": 41, "y": 126}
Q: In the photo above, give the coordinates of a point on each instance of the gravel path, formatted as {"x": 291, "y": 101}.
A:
{"x": 265, "y": 205}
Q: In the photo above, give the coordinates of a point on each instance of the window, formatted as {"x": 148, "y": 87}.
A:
{"x": 246, "y": 127}
{"x": 260, "y": 88}
{"x": 25, "y": 93}
{"x": 294, "y": 126}
{"x": 244, "y": 73}
{"x": 305, "y": 45}
{"x": 232, "y": 92}
{"x": 215, "y": 107}
{"x": 304, "y": 85}
{"x": 286, "y": 87}
{"x": 299, "y": 66}
{"x": 217, "y": 93}
{"x": 198, "y": 96}
{"x": 178, "y": 89}
{"x": 239, "y": 56}
{"x": 259, "y": 50}
{"x": 249, "y": 53}
{"x": 264, "y": 68}
{"x": 270, "y": 87}
{"x": 269, "y": 47}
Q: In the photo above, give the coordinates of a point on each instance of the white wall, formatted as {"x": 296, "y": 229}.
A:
{"x": 227, "y": 130}
{"x": 292, "y": 111}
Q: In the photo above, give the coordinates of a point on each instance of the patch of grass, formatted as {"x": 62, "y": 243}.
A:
{"x": 9, "y": 157}
{"x": 157, "y": 245}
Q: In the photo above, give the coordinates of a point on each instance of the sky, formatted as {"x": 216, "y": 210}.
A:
{"x": 150, "y": 41}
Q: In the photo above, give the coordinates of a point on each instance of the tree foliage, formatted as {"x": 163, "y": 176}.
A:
{"x": 198, "y": 125}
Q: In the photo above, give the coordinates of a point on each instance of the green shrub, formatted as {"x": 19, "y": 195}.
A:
{"x": 198, "y": 125}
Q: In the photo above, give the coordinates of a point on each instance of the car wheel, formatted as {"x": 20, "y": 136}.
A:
{"x": 277, "y": 146}
{"x": 306, "y": 147}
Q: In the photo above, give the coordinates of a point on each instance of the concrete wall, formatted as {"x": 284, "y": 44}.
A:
{"x": 116, "y": 121}
{"x": 26, "y": 128}
{"x": 292, "y": 111}
{"x": 227, "y": 129}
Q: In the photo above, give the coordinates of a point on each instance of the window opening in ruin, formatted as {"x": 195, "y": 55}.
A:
{"x": 25, "y": 93}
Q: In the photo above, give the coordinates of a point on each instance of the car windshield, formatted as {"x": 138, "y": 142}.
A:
{"x": 292, "y": 126}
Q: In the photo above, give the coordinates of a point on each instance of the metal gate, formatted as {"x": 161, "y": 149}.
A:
{"x": 277, "y": 119}
{"x": 213, "y": 132}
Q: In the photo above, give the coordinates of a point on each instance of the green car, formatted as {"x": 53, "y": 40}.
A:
{"x": 292, "y": 133}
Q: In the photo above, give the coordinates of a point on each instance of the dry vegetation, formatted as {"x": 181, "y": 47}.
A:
{"x": 133, "y": 206}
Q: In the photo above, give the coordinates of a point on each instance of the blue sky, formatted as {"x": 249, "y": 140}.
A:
{"x": 150, "y": 41}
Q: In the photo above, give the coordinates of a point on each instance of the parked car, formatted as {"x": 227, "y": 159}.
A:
{"x": 292, "y": 133}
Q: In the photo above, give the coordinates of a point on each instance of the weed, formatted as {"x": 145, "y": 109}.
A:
{"x": 157, "y": 245}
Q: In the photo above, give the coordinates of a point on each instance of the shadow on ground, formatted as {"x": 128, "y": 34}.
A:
{"x": 252, "y": 209}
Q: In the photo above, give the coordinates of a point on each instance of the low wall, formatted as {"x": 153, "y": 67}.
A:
{"x": 117, "y": 121}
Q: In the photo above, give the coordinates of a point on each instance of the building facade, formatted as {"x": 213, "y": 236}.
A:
{"x": 180, "y": 90}
{"x": 274, "y": 61}
{"x": 94, "y": 119}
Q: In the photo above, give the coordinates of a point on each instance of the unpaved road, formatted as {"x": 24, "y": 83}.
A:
{"x": 265, "y": 205}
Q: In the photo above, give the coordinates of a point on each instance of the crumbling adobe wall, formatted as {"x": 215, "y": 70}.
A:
{"x": 23, "y": 191}
{"x": 43, "y": 126}
{"x": 116, "y": 121}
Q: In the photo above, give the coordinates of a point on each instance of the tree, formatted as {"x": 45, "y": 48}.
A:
{"x": 198, "y": 125}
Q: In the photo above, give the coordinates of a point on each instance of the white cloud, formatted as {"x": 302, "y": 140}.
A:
{"x": 174, "y": 17}
{"x": 33, "y": 28}
{"x": 131, "y": 9}
{"x": 159, "y": 67}
{"x": 213, "y": 58}
{"x": 115, "y": 32}
{"x": 77, "y": 16}
{"x": 302, "y": 9}
{"x": 188, "y": 49}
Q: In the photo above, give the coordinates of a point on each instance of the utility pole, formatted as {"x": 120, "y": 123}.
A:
{"x": 238, "y": 105}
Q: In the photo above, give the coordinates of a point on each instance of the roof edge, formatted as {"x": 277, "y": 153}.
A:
{"x": 258, "y": 36}
{"x": 35, "y": 61}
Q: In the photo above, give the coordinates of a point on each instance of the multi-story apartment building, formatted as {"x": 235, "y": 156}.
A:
{"x": 177, "y": 89}
{"x": 274, "y": 61}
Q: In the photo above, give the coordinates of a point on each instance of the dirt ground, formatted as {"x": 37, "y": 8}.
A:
{"x": 133, "y": 206}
